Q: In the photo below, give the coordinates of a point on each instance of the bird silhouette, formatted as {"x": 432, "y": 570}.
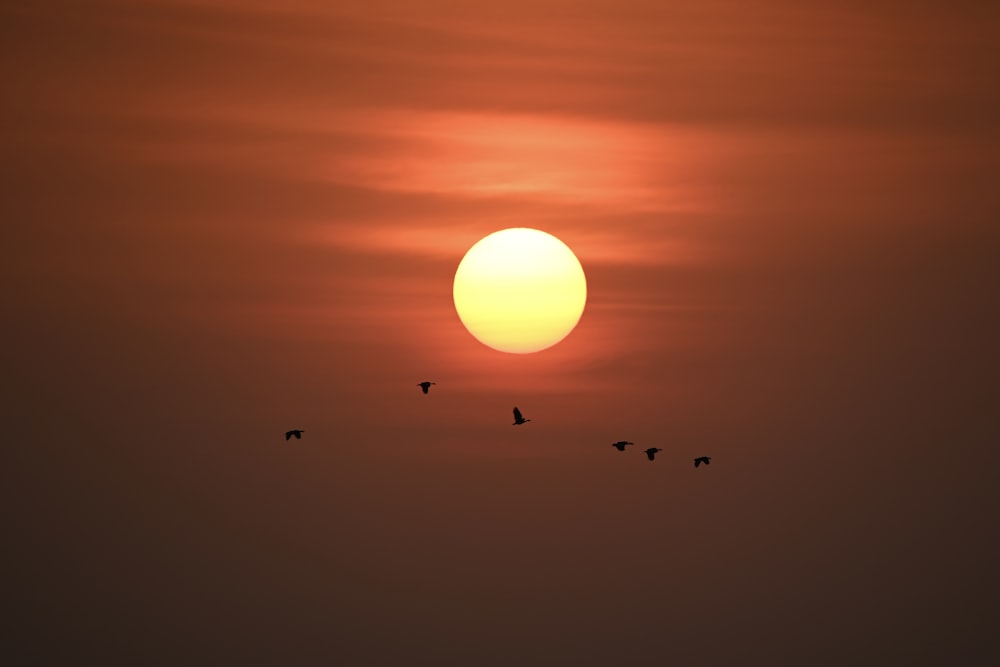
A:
{"x": 651, "y": 452}
{"x": 425, "y": 385}
{"x": 621, "y": 444}
{"x": 702, "y": 459}
{"x": 518, "y": 419}
{"x": 297, "y": 432}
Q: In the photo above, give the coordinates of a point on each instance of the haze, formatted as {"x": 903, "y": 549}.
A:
{"x": 224, "y": 220}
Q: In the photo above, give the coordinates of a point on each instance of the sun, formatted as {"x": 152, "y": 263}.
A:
{"x": 520, "y": 290}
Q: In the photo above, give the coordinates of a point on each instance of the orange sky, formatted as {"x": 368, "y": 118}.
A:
{"x": 222, "y": 220}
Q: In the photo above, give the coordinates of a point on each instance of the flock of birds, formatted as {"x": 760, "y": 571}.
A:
{"x": 651, "y": 452}
{"x": 519, "y": 419}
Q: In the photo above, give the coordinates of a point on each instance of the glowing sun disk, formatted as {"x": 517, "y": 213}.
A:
{"x": 520, "y": 290}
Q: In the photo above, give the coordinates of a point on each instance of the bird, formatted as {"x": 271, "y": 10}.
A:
{"x": 425, "y": 385}
{"x": 518, "y": 419}
{"x": 702, "y": 459}
{"x": 620, "y": 445}
{"x": 651, "y": 452}
{"x": 297, "y": 432}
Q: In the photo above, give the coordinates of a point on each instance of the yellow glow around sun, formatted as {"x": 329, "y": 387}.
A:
{"x": 520, "y": 290}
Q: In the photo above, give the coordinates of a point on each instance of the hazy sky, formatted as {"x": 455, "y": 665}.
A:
{"x": 228, "y": 218}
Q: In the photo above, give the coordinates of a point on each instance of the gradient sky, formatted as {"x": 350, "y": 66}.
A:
{"x": 225, "y": 219}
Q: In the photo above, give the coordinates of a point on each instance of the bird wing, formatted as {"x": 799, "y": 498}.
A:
{"x": 697, "y": 462}
{"x": 288, "y": 435}
{"x": 517, "y": 415}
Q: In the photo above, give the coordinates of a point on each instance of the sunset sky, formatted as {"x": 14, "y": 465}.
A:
{"x": 225, "y": 219}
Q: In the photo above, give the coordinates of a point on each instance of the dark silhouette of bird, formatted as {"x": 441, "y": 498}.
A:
{"x": 621, "y": 444}
{"x": 518, "y": 419}
{"x": 297, "y": 432}
{"x": 425, "y": 385}
{"x": 651, "y": 452}
{"x": 702, "y": 459}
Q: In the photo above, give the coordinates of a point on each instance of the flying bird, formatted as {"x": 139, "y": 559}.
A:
{"x": 297, "y": 432}
{"x": 425, "y": 385}
{"x": 702, "y": 459}
{"x": 518, "y": 419}
{"x": 651, "y": 452}
{"x": 620, "y": 445}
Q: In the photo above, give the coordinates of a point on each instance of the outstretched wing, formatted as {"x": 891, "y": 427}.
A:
{"x": 517, "y": 415}
{"x": 697, "y": 462}
{"x": 288, "y": 435}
